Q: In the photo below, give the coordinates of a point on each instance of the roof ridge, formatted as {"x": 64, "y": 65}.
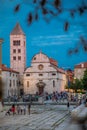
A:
{"x": 17, "y": 30}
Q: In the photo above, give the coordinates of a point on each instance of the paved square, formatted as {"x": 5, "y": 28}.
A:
{"x": 42, "y": 117}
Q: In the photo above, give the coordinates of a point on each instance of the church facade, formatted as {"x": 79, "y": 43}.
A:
{"x": 43, "y": 76}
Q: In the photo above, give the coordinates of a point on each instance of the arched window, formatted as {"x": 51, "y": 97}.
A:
{"x": 53, "y": 83}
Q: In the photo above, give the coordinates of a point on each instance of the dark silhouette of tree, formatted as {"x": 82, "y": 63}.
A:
{"x": 53, "y": 8}
{"x": 84, "y": 80}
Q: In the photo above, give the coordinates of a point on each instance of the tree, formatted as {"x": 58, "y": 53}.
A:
{"x": 49, "y": 9}
{"x": 84, "y": 80}
{"x": 76, "y": 85}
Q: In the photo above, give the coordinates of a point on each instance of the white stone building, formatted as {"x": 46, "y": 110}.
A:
{"x": 79, "y": 70}
{"x": 10, "y": 79}
{"x": 43, "y": 76}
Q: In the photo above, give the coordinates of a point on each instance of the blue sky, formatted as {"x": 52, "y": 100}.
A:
{"x": 48, "y": 37}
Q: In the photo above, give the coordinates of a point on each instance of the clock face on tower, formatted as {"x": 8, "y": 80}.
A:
{"x": 40, "y": 67}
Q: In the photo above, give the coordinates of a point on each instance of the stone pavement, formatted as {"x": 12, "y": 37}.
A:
{"x": 42, "y": 117}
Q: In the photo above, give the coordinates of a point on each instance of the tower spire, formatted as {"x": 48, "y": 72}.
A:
{"x": 17, "y": 30}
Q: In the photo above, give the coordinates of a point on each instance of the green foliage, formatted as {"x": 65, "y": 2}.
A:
{"x": 76, "y": 85}
{"x": 0, "y": 89}
{"x": 84, "y": 80}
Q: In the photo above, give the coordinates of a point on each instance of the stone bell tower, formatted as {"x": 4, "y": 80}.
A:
{"x": 18, "y": 49}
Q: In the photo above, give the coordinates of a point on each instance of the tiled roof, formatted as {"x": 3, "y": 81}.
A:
{"x": 4, "y": 68}
{"x": 52, "y": 61}
{"x": 81, "y": 65}
{"x": 17, "y": 30}
{"x": 61, "y": 70}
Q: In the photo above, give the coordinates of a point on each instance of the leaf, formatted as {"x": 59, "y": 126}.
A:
{"x": 51, "y": 12}
{"x": 57, "y": 3}
{"x": 30, "y": 18}
{"x": 81, "y": 10}
{"x": 16, "y": 9}
{"x": 66, "y": 26}
{"x": 34, "y": 1}
{"x": 83, "y": 40}
{"x": 85, "y": 47}
{"x": 76, "y": 50}
{"x": 42, "y": 2}
{"x": 36, "y": 17}
{"x": 85, "y": 7}
{"x": 44, "y": 11}
{"x": 60, "y": 10}
{"x": 70, "y": 52}
{"x": 72, "y": 13}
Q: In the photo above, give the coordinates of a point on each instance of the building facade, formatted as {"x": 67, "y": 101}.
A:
{"x": 43, "y": 76}
{"x": 18, "y": 49}
{"x": 10, "y": 79}
{"x": 79, "y": 70}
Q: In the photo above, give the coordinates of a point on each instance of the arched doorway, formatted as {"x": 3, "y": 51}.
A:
{"x": 40, "y": 86}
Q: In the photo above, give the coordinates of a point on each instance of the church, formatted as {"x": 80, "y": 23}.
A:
{"x": 43, "y": 75}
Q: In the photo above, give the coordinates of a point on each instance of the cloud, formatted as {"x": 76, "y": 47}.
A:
{"x": 53, "y": 40}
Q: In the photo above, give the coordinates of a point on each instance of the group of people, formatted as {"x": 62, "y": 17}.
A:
{"x": 56, "y": 96}
{"x": 18, "y": 109}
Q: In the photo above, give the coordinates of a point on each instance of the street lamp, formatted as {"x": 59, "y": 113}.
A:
{"x": 1, "y": 41}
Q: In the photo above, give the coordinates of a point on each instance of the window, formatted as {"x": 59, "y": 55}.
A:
{"x": 53, "y": 83}
{"x": 13, "y": 82}
{"x": 16, "y": 42}
{"x": 53, "y": 74}
{"x": 14, "y": 57}
{"x": 10, "y": 83}
{"x": 34, "y": 58}
{"x": 27, "y": 74}
{"x": 10, "y": 73}
{"x": 17, "y": 83}
{"x": 27, "y": 83}
{"x": 40, "y": 74}
{"x": 19, "y": 57}
{"x": 40, "y": 67}
{"x": 14, "y": 50}
{"x": 19, "y": 50}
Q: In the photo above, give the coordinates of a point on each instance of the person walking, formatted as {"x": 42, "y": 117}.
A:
{"x": 13, "y": 109}
{"x": 18, "y": 109}
{"x": 24, "y": 109}
{"x": 29, "y": 107}
{"x": 68, "y": 106}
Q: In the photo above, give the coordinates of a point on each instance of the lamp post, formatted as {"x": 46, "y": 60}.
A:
{"x": 1, "y": 41}
{"x": 1, "y": 104}
{"x": 74, "y": 80}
